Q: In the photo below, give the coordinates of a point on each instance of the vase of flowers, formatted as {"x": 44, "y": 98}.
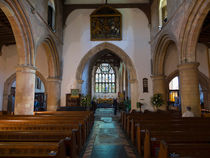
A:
{"x": 157, "y": 100}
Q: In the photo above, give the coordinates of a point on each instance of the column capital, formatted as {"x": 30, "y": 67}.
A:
{"x": 80, "y": 81}
{"x": 51, "y": 79}
{"x": 26, "y": 68}
{"x": 191, "y": 65}
{"x": 132, "y": 81}
{"x": 158, "y": 77}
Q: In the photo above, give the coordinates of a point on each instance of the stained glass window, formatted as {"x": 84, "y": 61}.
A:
{"x": 174, "y": 89}
{"x": 105, "y": 79}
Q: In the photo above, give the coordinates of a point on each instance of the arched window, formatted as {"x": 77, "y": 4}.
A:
{"x": 105, "y": 79}
{"x": 162, "y": 12}
{"x": 51, "y": 14}
{"x": 174, "y": 89}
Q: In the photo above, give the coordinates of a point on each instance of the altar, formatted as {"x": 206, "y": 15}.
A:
{"x": 105, "y": 100}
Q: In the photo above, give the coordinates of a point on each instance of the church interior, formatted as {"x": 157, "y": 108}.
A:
{"x": 105, "y": 78}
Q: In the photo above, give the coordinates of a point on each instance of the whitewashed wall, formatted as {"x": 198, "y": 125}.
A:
{"x": 136, "y": 37}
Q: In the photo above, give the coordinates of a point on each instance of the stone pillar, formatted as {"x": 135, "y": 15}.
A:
{"x": 189, "y": 87}
{"x": 25, "y": 87}
{"x": 53, "y": 93}
{"x": 159, "y": 86}
{"x": 134, "y": 93}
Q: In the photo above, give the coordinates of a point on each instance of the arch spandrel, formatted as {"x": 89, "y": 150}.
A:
{"x": 160, "y": 51}
{"x": 116, "y": 50}
{"x": 52, "y": 56}
{"x": 191, "y": 29}
{"x": 21, "y": 29}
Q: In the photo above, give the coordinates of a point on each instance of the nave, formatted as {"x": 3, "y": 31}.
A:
{"x": 107, "y": 140}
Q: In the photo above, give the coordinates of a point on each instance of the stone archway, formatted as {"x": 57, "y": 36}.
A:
{"x": 54, "y": 73}
{"x": 21, "y": 29}
{"x": 203, "y": 81}
{"x": 123, "y": 56}
{"x": 8, "y": 84}
{"x": 192, "y": 26}
{"x": 52, "y": 57}
{"x": 205, "y": 85}
{"x": 25, "y": 71}
{"x": 160, "y": 53}
{"x": 158, "y": 58}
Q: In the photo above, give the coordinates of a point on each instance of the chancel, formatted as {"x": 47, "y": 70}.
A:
{"x": 104, "y": 78}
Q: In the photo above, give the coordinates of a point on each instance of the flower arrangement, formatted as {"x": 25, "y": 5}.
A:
{"x": 85, "y": 100}
{"x": 157, "y": 100}
{"x": 138, "y": 105}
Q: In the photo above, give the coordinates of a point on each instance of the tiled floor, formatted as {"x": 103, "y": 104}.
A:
{"x": 107, "y": 140}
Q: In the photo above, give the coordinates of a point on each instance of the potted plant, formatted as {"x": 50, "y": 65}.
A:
{"x": 83, "y": 101}
{"x": 138, "y": 105}
{"x": 86, "y": 101}
{"x": 157, "y": 100}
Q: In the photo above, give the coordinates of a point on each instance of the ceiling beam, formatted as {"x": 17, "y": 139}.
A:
{"x": 145, "y": 7}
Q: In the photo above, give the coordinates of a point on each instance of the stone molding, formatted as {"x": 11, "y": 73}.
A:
{"x": 191, "y": 65}
{"x": 158, "y": 77}
{"x": 54, "y": 80}
{"x": 27, "y": 69}
{"x": 80, "y": 81}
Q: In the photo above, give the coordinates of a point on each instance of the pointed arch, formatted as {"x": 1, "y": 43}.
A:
{"x": 160, "y": 53}
{"x": 52, "y": 57}
{"x": 21, "y": 29}
{"x": 123, "y": 56}
{"x": 8, "y": 84}
{"x": 113, "y": 48}
{"x": 192, "y": 26}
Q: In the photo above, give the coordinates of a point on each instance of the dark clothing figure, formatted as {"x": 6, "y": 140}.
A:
{"x": 36, "y": 105}
{"x": 11, "y": 103}
{"x": 115, "y": 106}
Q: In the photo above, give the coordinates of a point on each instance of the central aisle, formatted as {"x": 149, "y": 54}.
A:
{"x": 107, "y": 140}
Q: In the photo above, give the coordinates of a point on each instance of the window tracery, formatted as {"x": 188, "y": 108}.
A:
{"x": 105, "y": 79}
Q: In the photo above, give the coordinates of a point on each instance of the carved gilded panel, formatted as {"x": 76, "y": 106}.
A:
{"x": 106, "y": 24}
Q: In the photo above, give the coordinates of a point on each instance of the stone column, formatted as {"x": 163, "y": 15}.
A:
{"x": 189, "y": 87}
{"x": 159, "y": 86}
{"x": 25, "y": 87}
{"x": 53, "y": 93}
{"x": 134, "y": 93}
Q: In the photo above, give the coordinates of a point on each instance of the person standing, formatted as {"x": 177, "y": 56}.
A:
{"x": 115, "y": 106}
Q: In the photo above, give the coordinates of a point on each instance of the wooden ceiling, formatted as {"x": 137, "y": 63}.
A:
{"x": 107, "y": 56}
{"x": 145, "y": 7}
{"x": 6, "y": 33}
{"x": 205, "y": 32}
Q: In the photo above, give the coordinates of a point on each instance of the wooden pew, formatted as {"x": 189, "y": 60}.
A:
{"x": 167, "y": 126}
{"x": 43, "y": 136}
{"x": 32, "y": 149}
{"x": 140, "y": 117}
{"x": 90, "y": 114}
{"x": 165, "y": 122}
{"x": 184, "y": 150}
{"x": 43, "y": 126}
{"x": 153, "y": 138}
{"x": 44, "y": 123}
{"x": 45, "y": 120}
